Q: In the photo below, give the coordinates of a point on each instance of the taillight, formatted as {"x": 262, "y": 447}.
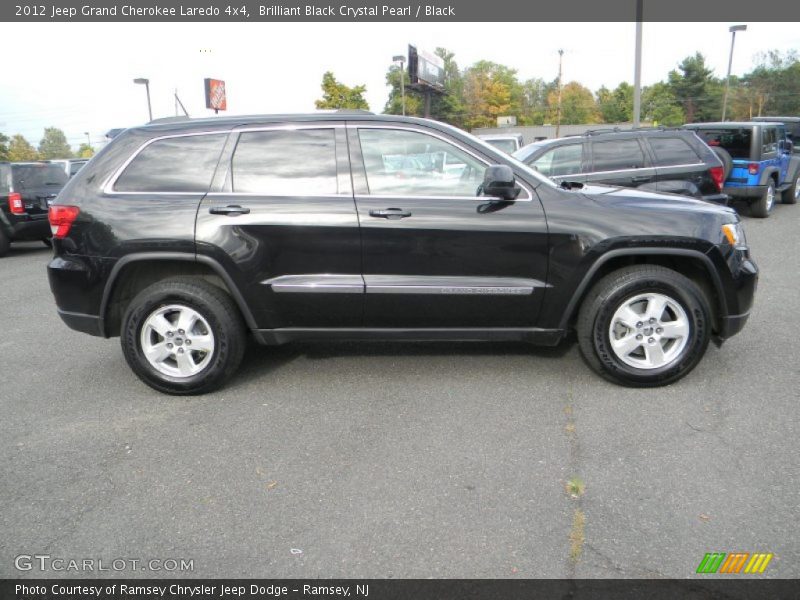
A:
{"x": 717, "y": 174}
{"x": 61, "y": 219}
{"x": 752, "y": 168}
{"x": 15, "y": 204}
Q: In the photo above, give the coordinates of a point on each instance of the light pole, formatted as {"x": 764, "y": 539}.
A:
{"x": 402, "y": 59}
{"x": 733, "y": 29}
{"x": 88, "y": 139}
{"x": 558, "y": 113}
{"x": 637, "y": 67}
{"x": 146, "y": 83}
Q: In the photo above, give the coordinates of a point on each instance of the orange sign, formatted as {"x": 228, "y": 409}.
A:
{"x": 215, "y": 94}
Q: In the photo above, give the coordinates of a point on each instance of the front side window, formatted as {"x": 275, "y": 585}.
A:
{"x": 177, "y": 164}
{"x": 410, "y": 163}
{"x": 563, "y": 160}
{"x": 286, "y": 162}
{"x": 617, "y": 155}
{"x": 672, "y": 151}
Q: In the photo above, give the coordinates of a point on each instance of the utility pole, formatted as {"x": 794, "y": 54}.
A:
{"x": 146, "y": 83}
{"x": 637, "y": 69}
{"x": 88, "y": 139}
{"x": 733, "y": 31}
{"x": 558, "y": 113}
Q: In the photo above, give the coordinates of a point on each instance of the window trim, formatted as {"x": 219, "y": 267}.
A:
{"x": 424, "y": 131}
{"x": 108, "y": 186}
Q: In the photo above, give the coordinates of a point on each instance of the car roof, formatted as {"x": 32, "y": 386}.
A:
{"x": 729, "y": 124}
{"x": 778, "y": 119}
{"x": 500, "y": 136}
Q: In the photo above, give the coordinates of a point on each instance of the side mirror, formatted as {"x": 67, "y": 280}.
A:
{"x": 499, "y": 181}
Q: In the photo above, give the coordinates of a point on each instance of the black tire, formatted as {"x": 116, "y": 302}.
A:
{"x": 220, "y": 314}
{"x": 792, "y": 193}
{"x": 762, "y": 207}
{"x": 48, "y": 242}
{"x": 621, "y": 286}
{"x": 727, "y": 161}
{"x": 5, "y": 244}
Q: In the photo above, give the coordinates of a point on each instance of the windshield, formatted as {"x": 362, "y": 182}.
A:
{"x": 38, "y": 176}
{"x": 507, "y": 146}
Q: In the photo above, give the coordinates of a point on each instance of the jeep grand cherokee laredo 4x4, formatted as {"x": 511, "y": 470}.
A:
{"x": 184, "y": 237}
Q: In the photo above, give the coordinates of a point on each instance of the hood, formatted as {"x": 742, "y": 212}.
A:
{"x": 620, "y": 197}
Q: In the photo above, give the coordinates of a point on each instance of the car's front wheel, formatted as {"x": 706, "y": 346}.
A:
{"x": 644, "y": 326}
{"x": 183, "y": 336}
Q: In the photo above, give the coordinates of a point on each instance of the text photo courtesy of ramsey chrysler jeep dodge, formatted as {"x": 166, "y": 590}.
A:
{"x": 186, "y": 236}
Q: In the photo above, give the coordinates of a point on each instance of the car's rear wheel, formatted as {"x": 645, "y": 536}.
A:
{"x": 5, "y": 244}
{"x": 763, "y": 206}
{"x": 183, "y": 336}
{"x": 644, "y": 326}
{"x": 792, "y": 194}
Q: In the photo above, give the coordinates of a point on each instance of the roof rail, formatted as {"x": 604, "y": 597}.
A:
{"x": 176, "y": 119}
{"x": 353, "y": 111}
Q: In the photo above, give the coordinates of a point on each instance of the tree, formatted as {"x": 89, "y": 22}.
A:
{"x": 533, "y": 103}
{"x": 84, "y": 151}
{"x": 660, "y": 106}
{"x": 394, "y": 105}
{"x": 490, "y": 91}
{"x": 19, "y": 149}
{"x": 616, "y": 106}
{"x": 696, "y": 89}
{"x": 54, "y": 144}
{"x": 3, "y": 147}
{"x": 338, "y": 95}
{"x": 577, "y": 105}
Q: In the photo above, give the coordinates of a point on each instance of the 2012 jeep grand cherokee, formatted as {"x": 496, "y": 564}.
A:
{"x": 183, "y": 237}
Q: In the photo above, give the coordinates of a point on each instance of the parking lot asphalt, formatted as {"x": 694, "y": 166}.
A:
{"x": 402, "y": 460}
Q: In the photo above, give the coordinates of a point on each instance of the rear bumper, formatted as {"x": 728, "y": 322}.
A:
{"x": 717, "y": 199}
{"x": 745, "y": 191}
{"x": 30, "y": 229}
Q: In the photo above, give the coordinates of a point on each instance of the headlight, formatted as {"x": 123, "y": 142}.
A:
{"x": 734, "y": 233}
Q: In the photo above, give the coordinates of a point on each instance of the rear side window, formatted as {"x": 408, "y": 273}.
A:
{"x": 38, "y": 176}
{"x": 563, "y": 160}
{"x": 617, "y": 155}
{"x": 769, "y": 140}
{"x": 286, "y": 163}
{"x": 672, "y": 151}
{"x": 735, "y": 140}
{"x": 178, "y": 164}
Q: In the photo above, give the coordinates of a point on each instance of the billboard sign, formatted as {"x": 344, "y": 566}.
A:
{"x": 215, "y": 94}
{"x": 425, "y": 68}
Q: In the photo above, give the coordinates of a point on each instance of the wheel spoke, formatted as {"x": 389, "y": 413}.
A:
{"x": 654, "y": 354}
{"x": 624, "y": 346}
{"x": 160, "y": 324}
{"x": 656, "y": 306}
{"x": 157, "y": 352}
{"x": 628, "y": 317}
{"x": 675, "y": 329}
{"x": 186, "y": 320}
{"x": 203, "y": 343}
{"x": 186, "y": 364}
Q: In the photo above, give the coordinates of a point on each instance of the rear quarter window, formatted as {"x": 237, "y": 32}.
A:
{"x": 672, "y": 151}
{"x": 176, "y": 164}
{"x": 736, "y": 141}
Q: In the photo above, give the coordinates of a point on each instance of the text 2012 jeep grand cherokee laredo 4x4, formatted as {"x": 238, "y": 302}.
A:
{"x": 182, "y": 237}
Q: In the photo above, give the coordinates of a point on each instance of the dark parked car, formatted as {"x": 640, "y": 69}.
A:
{"x": 70, "y": 165}
{"x": 653, "y": 159}
{"x": 26, "y": 191}
{"x": 792, "y": 125}
{"x": 185, "y": 237}
{"x": 761, "y": 161}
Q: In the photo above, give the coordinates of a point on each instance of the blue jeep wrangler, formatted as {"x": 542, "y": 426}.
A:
{"x": 758, "y": 162}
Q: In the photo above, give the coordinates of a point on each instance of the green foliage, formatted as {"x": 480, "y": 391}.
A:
{"x": 660, "y": 106}
{"x": 84, "y": 151}
{"x": 577, "y": 105}
{"x": 696, "y": 89}
{"x": 337, "y": 95}
{"x": 4, "y": 139}
{"x": 54, "y": 144}
{"x": 616, "y": 106}
{"x": 19, "y": 149}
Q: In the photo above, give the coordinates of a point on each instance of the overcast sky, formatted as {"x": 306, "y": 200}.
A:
{"x": 78, "y": 76}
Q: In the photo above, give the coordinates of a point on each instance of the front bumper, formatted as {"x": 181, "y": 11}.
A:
{"x": 741, "y": 294}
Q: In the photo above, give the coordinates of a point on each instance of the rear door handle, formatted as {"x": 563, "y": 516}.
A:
{"x": 232, "y": 210}
{"x": 641, "y": 178}
{"x": 390, "y": 213}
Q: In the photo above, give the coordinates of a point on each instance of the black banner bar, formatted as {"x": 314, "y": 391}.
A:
{"x": 399, "y": 10}
{"x": 401, "y": 589}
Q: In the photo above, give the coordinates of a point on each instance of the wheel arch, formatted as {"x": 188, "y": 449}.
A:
{"x": 133, "y": 272}
{"x": 693, "y": 264}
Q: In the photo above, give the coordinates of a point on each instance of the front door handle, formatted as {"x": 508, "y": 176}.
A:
{"x": 390, "y": 213}
{"x": 640, "y": 178}
{"x": 232, "y": 210}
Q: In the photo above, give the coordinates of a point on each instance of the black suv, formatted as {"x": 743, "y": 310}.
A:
{"x": 184, "y": 237}
{"x": 653, "y": 159}
{"x": 26, "y": 191}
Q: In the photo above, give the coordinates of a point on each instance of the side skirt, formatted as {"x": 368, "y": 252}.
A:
{"x": 541, "y": 337}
